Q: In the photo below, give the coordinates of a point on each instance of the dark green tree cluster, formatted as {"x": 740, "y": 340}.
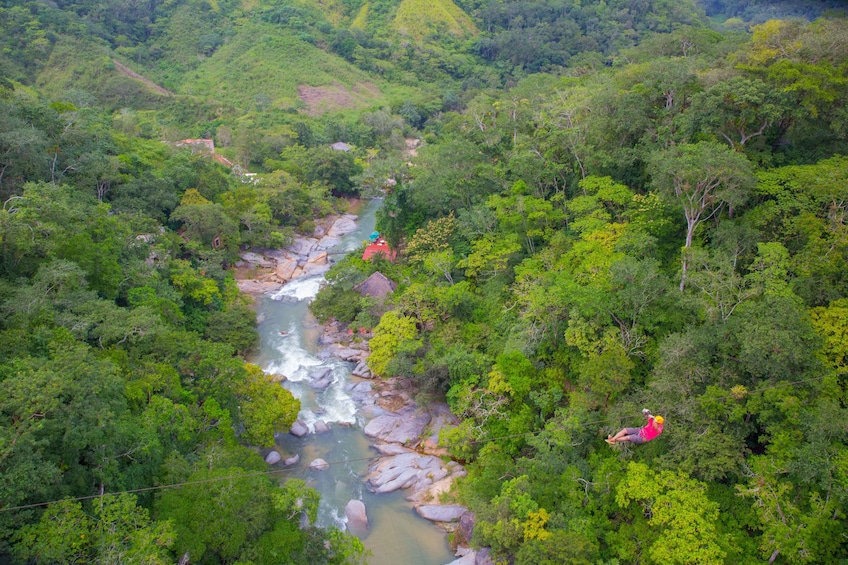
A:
{"x": 668, "y": 233}
{"x": 759, "y": 11}
{"x": 542, "y": 36}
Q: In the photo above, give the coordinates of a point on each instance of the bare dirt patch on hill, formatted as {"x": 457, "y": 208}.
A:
{"x": 125, "y": 70}
{"x": 333, "y": 97}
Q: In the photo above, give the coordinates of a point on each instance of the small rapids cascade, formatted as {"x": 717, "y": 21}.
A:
{"x": 334, "y": 422}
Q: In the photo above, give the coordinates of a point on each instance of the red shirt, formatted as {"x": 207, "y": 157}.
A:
{"x": 649, "y": 432}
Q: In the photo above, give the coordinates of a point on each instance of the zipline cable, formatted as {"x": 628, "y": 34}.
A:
{"x": 181, "y": 484}
{"x": 344, "y": 461}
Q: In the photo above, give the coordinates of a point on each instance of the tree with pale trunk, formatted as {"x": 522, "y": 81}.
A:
{"x": 704, "y": 178}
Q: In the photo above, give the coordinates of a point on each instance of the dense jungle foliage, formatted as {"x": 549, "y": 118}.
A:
{"x": 119, "y": 358}
{"x": 669, "y": 233}
{"x": 617, "y": 205}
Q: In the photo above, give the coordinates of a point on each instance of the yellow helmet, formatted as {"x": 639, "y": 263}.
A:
{"x": 659, "y": 420}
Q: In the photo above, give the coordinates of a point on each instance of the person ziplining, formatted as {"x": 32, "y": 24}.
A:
{"x": 646, "y": 433}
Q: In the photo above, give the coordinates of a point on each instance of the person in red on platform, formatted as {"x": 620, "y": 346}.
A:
{"x": 649, "y": 431}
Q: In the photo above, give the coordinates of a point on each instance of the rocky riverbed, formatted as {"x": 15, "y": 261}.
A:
{"x": 406, "y": 441}
{"x": 405, "y": 435}
{"x": 266, "y": 270}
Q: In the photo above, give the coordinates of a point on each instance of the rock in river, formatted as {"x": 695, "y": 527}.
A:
{"x": 439, "y": 513}
{"x": 404, "y": 426}
{"x": 404, "y": 470}
{"x": 299, "y": 429}
{"x": 272, "y": 458}
{"x": 342, "y": 226}
{"x": 321, "y": 379}
{"x": 467, "y": 559}
{"x": 357, "y": 520}
{"x": 362, "y": 370}
{"x": 319, "y": 465}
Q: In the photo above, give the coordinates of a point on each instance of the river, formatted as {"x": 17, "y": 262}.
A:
{"x": 397, "y": 535}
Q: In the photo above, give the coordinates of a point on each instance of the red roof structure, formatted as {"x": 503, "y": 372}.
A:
{"x": 379, "y": 247}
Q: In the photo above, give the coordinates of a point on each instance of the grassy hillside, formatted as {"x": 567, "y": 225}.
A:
{"x": 432, "y": 18}
{"x": 185, "y": 39}
{"x": 262, "y": 67}
{"x": 83, "y": 72}
{"x": 258, "y": 68}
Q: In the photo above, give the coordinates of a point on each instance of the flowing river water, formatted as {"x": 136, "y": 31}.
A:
{"x": 397, "y": 535}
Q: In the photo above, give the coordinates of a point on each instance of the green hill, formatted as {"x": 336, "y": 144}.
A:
{"x": 82, "y": 72}
{"x": 262, "y": 67}
{"x": 422, "y": 19}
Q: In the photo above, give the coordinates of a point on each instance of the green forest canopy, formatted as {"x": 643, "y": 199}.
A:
{"x": 655, "y": 218}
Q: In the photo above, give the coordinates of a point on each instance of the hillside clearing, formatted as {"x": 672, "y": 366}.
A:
{"x": 126, "y": 71}
{"x": 332, "y": 97}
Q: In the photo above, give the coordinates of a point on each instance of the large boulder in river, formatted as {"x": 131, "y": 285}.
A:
{"x": 441, "y": 513}
{"x": 404, "y": 470}
{"x": 321, "y": 427}
{"x": 362, "y": 370}
{"x": 390, "y": 449}
{"x": 319, "y": 465}
{"x": 357, "y": 520}
{"x": 348, "y": 353}
{"x": 291, "y": 460}
{"x": 321, "y": 379}
{"x": 359, "y": 391}
{"x": 255, "y": 287}
{"x": 317, "y": 258}
{"x": 342, "y": 226}
{"x": 321, "y": 373}
{"x": 303, "y": 246}
{"x": 299, "y": 429}
{"x": 404, "y": 426}
{"x": 273, "y": 458}
{"x": 285, "y": 268}
{"x": 467, "y": 559}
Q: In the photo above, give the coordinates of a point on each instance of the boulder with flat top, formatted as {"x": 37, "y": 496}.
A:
{"x": 467, "y": 559}
{"x": 441, "y": 513}
{"x": 404, "y": 426}
{"x": 344, "y": 225}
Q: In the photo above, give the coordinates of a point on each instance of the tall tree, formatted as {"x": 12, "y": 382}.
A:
{"x": 703, "y": 178}
{"x": 681, "y": 517}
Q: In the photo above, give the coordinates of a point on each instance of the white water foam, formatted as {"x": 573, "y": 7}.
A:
{"x": 338, "y": 519}
{"x": 304, "y": 288}
{"x": 333, "y": 405}
{"x": 337, "y": 404}
{"x": 293, "y": 360}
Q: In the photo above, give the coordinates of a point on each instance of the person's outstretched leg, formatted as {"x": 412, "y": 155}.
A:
{"x": 617, "y": 437}
{"x": 625, "y": 435}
